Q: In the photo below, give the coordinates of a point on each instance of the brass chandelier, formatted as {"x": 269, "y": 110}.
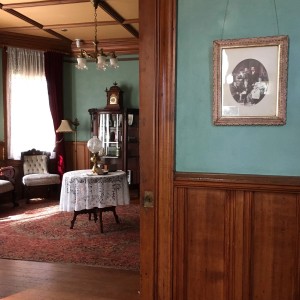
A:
{"x": 98, "y": 55}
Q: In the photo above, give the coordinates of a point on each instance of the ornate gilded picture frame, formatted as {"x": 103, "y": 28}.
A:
{"x": 250, "y": 81}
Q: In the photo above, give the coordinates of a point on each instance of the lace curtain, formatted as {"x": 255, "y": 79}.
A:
{"x": 30, "y": 123}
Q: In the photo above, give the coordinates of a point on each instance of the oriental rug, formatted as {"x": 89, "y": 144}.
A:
{"x": 40, "y": 232}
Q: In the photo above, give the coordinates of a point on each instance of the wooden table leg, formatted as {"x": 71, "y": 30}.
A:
{"x": 84, "y": 211}
{"x": 104, "y": 209}
{"x": 115, "y": 214}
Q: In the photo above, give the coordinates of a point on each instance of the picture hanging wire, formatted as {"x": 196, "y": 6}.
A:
{"x": 275, "y": 8}
{"x": 226, "y": 10}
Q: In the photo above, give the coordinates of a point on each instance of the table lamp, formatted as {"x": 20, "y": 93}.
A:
{"x": 95, "y": 146}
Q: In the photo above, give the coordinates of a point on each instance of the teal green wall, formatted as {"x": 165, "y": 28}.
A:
{"x": 1, "y": 100}
{"x": 84, "y": 89}
{"x": 203, "y": 147}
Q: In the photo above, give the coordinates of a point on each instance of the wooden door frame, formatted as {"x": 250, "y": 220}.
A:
{"x": 157, "y": 106}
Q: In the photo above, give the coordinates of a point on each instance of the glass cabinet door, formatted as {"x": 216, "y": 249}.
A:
{"x": 111, "y": 133}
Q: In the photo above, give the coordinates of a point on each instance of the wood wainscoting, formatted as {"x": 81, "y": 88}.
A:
{"x": 236, "y": 237}
{"x": 2, "y": 151}
{"x": 77, "y": 157}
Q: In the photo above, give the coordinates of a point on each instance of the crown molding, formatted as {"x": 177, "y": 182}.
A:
{"x": 34, "y": 42}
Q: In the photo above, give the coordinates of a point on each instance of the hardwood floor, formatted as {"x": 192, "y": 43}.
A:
{"x": 35, "y": 281}
{"x": 28, "y": 280}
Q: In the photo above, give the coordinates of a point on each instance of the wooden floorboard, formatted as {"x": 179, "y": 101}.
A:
{"x": 37, "y": 280}
{"x": 28, "y": 280}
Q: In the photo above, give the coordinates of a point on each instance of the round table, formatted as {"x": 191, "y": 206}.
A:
{"x": 84, "y": 192}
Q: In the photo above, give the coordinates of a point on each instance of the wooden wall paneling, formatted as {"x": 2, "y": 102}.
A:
{"x": 202, "y": 239}
{"x": 2, "y": 151}
{"x": 232, "y": 233}
{"x": 205, "y": 243}
{"x": 235, "y": 243}
{"x": 245, "y": 260}
{"x": 275, "y": 246}
{"x": 297, "y": 270}
{"x": 83, "y": 156}
{"x": 179, "y": 254}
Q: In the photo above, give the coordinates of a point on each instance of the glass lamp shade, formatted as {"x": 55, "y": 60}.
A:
{"x": 81, "y": 63}
{"x": 94, "y": 144}
{"x": 114, "y": 62}
{"x": 101, "y": 62}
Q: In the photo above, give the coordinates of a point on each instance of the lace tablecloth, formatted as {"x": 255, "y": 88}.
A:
{"x": 83, "y": 190}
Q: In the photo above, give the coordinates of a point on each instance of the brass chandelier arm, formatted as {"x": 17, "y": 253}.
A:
{"x": 99, "y": 56}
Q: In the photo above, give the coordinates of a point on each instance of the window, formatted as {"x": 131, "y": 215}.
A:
{"x": 30, "y": 123}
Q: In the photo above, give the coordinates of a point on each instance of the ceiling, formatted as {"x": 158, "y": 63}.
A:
{"x": 56, "y": 24}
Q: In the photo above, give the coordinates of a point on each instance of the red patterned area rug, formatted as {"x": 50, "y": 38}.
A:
{"x": 40, "y": 232}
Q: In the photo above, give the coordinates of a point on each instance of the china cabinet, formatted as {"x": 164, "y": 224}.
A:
{"x": 118, "y": 130}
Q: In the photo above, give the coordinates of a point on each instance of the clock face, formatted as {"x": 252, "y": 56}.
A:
{"x": 113, "y": 99}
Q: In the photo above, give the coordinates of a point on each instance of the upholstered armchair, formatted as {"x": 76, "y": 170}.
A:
{"x": 7, "y": 183}
{"x": 36, "y": 174}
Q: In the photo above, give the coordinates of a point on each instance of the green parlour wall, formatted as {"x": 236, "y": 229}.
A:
{"x": 85, "y": 89}
{"x": 203, "y": 147}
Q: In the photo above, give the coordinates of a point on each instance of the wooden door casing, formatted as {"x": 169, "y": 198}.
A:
{"x": 157, "y": 103}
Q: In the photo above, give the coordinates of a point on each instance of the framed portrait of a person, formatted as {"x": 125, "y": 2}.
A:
{"x": 250, "y": 81}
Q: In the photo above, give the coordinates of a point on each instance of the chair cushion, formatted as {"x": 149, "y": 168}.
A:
{"x": 40, "y": 179}
{"x": 5, "y": 186}
{"x": 35, "y": 164}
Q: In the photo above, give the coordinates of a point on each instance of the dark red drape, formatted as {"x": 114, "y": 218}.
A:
{"x": 54, "y": 77}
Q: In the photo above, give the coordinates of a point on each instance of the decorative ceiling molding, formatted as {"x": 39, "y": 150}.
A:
{"x": 120, "y": 46}
{"x": 34, "y": 42}
{"x": 40, "y": 3}
{"x": 108, "y": 9}
{"x": 35, "y": 38}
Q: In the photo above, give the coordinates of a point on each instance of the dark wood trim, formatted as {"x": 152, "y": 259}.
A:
{"x": 2, "y": 152}
{"x": 85, "y": 24}
{"x": 157, "y": 94}
{"x": 4, "y": 84}
{"x": 239, "y": 181}
{"x": 120, "y": 46}
{"x": 165, "y": 146}
{"x": 40, "y": 3}
{"x": 61, "y": 26}
{"x": 148, "y": 164}
{"x": 36, "y": 24}
{"x": 33, "y": 42}
{"x": 108, "y": 9}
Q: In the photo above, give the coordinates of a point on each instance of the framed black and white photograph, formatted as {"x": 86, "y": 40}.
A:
{"x": 250, "y": 77}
